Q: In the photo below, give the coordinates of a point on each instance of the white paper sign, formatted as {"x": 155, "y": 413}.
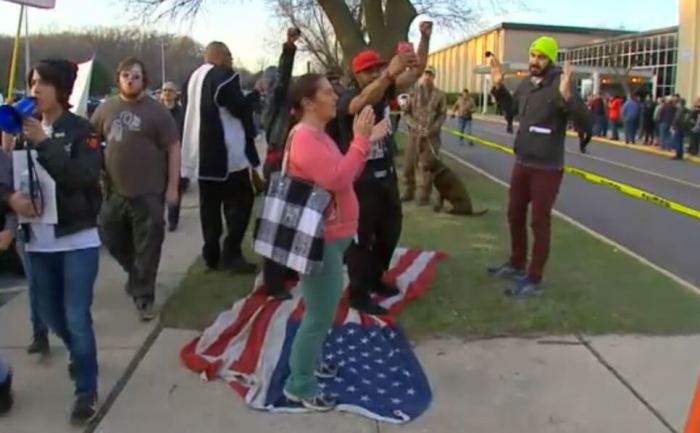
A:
{"x": 44, "y": 4}
{"x": 81, "y": 89}
{"x": 46, "y": 183}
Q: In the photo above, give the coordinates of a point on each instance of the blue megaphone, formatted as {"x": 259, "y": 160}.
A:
{"x": 12, "y": 116}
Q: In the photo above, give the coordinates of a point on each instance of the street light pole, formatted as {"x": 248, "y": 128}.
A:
{"x": 162, "y": 61}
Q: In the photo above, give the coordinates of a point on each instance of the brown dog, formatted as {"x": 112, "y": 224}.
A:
{"x": 451, "y": 189}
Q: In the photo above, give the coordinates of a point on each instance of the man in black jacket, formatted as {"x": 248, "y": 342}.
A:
{"x": 276, "y": 124}
{"x": 377, "y": 189}
{"x": 64, "y": 255}
{"x": 544, "y": 102}
{"x": 219, "y": 150}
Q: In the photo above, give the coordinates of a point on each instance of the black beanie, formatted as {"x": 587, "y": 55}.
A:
{"x": 61, "y": 74}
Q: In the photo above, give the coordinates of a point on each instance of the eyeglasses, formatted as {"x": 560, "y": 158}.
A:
{"x": 169, "y": 90}
{"x": 128, "y": 75}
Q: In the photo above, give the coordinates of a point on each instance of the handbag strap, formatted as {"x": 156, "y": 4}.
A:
{"x": 287, "y": 149}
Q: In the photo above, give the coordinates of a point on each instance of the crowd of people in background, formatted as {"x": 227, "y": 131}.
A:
{"x": 667, "y": 122}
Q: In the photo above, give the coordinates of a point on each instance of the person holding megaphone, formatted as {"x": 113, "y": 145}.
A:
{"x": 63, "y": 257}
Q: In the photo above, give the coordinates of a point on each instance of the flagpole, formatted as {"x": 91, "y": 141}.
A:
{"x": 15, "y": 56}
{"x": 27, "y": 50}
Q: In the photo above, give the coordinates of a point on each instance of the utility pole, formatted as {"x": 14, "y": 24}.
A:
{"x": 27, "y": 58}
{"x": 162, "y": 61}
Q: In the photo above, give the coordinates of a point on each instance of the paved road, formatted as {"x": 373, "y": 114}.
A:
{"x": 669, "y": 239}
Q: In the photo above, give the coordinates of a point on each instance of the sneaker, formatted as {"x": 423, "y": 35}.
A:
{"x": 524, "y": 288}
{"x": 40, "y": 345}
{"x": 6, "y": 397}
{"x": 505, "y": 270}
{"x": 84, "y": 409}
{"x": 387, "y": 291}
{"x": 281, "y": 295}
{"x": 366, "y": 305}
{"x": 318, "y": 402}
{"x": 144, "y": 306}
{"x": 326, "y": 371}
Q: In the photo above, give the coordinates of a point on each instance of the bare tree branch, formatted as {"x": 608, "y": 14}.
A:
{"x": 330, "y": 27}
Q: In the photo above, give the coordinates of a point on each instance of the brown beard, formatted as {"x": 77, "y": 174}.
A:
{"x": 130, "y": 96}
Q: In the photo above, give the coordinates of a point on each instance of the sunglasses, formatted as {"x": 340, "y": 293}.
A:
{"x": 133, "y": 76}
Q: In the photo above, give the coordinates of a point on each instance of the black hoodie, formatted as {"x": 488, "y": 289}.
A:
{"x": 543, "y": 116}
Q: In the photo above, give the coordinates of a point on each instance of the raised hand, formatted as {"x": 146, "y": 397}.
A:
{"x": 497, "y": 74}
{"x": 565, "y": 85}
{"x": 364, "y": 122}
{"x": 426, "y": 28}
{"x": 401, "y": 61}
{"x": 293, "y": 35}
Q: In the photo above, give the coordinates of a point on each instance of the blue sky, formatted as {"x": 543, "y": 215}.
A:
{"x": 247, "y": 27}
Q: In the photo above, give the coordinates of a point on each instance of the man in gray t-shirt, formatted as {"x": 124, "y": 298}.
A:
{"x": 142, "y": 168}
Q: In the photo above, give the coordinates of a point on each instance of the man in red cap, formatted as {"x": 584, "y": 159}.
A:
{"x": 376, "y": 83}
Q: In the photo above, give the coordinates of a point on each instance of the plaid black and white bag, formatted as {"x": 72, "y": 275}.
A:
{"x": 289, "y": 229}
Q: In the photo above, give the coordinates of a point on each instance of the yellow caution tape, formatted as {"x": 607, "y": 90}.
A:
{"x": 596, "y": 178}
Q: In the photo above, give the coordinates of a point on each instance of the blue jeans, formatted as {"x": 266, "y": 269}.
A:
{"x": 64, "y": 284}
{"x": 599, "y": 126}
{"x": 39, "y": 328}
{"x": 677, "y": 140}
{"x": 665, "y": 135}
{"x": 4, "y": 371}
{"x": 465, "y": 126}
{"x": 615, "y": 129}
{"x": 631, "y": 130}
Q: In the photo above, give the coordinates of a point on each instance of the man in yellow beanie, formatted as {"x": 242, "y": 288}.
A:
{"x": 544, "y": 102}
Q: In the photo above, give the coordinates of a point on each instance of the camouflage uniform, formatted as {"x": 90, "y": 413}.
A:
{"x": 426, "y": 110}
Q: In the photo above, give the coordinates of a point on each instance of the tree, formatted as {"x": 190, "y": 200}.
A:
{"x": 317, "y": 34}
{"x": 355, "y": 24}
{"x": 622, "y": 62}
{"x": 109, "y": 46}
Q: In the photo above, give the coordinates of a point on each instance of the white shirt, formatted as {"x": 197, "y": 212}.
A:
{"x": 43, "y": 237}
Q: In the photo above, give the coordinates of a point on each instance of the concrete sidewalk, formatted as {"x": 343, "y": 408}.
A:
{"x": 43, "y": 390}
{"x": 493, "y": 386}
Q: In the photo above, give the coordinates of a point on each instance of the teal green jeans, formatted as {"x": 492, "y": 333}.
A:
{"x": 321, "y": 292}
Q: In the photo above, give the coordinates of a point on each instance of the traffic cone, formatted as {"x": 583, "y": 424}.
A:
{"x": 692, "y": 424}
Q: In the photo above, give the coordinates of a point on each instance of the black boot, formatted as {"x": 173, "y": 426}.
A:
{"x": 84, "y": 409}
{"x": 6, "y": 397}
{"x": 365, "y": 305}
{"x": 40, "y": 345}
{"x": 386, "y": 290}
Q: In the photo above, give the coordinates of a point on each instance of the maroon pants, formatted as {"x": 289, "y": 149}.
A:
{"x": 539, "y": 187}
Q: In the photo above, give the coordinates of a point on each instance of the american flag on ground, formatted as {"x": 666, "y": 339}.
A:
{"x": 379, "y": 377}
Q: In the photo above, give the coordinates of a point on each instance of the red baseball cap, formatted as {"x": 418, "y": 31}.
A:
{"x": 365, "y": 60}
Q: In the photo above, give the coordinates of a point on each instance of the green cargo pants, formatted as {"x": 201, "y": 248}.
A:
{"x": 133, "y": 230}
{"x": 321, "y": 292}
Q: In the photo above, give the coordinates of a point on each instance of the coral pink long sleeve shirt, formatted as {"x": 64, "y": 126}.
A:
{"x": 315, "y": 157}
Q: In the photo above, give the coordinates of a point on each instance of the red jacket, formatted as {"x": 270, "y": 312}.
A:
{"x": 615, "y": 109}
